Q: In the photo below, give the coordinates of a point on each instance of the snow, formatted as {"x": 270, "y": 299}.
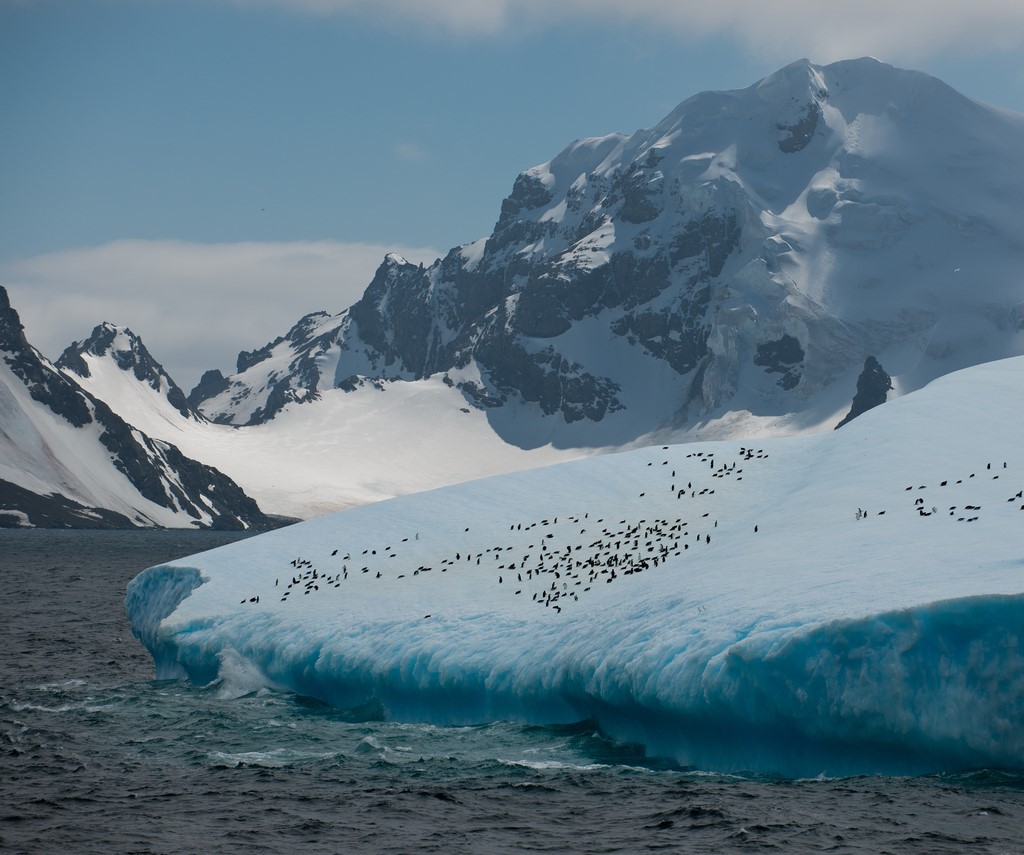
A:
{"x": 473, "y": 252}
{"x": 819, "y": 641}
{"x": 45, "y": 454}
{"x": 326, "y": 455}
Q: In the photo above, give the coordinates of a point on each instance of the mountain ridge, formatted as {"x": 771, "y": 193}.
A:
{"x": 742, "y": 224}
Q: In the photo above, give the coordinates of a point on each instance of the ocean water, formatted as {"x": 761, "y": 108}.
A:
{"x": 97, "y": 756}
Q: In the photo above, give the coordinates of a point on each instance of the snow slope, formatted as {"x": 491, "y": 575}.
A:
{"x": 843, "y": 602}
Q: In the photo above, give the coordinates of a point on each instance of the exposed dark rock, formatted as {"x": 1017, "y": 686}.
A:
{"x": 711, "y": 238}
{"x": 801, "y": 131}
{"x": 350, "y": 383}
{"x": 478, "y": 396}
{"x": 637, "y": 206}
{"x": 248, "y": 358}
{"x": 299, "y": 335}
{"x": 297, "y": 383}
{"x": 873, "y": 384}
{"x": 210, "y": 384}
{"x": 393, "y": 314}
{"x": 678, "y": 334}
{"x": 528, "y": 192}
{"x": 549, "y": 380}
{"x": 52, "y": 511}
{"x": 541, "y": 312}
{"x": 783, "y": 356}
{"x": 45, "y": 386}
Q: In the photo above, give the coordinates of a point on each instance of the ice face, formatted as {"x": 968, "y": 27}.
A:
{"x": 839, "y": 603}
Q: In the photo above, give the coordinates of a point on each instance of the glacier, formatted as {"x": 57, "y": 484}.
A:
{"x": 835, "y": 604}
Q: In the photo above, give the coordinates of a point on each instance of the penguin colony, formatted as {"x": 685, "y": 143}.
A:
{"x": 961, "y": 513}
{"x": 556, "y": 561}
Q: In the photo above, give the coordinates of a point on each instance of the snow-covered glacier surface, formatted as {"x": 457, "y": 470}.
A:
{"x": 841, "y": 603}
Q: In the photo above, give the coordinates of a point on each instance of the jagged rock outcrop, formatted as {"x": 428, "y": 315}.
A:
{"x": 873, "y": 386}
{"x": 211, "y": 383}
{"x": 286, "y": 370}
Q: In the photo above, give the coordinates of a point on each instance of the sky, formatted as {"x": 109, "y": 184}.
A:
{"x": 208, "y": 171}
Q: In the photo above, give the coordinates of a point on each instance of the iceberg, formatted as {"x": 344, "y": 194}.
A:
{"x": 840, "y": 603}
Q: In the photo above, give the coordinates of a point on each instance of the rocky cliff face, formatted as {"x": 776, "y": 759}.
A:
{"x": 286, "y": 370}
{"x": 68, "y": 460}
{"x": 745, "y": 254}
{"x": 873, "y": 386}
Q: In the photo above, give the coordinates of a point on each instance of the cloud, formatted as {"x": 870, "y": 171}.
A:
{"x": 195, "y": 305}
{"x": 457, "y": 16}
{"x": 783, "y": 29}
{"x": 408, "y": 152}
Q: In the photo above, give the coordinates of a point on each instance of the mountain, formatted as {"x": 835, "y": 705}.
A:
{"x": 128, "y": 353}
{"x": 67, "y": 460}
{"x": 843, "y": 603}
{"x": 348, "y": 449}
{"x": 725, "y": 272}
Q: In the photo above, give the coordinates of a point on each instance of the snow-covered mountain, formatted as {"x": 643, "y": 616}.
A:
{"x": 839, "y": 603}
{"x": 724, "y": 272}
{"x": 128, "y": 354}
{"x": 68, "y": 460}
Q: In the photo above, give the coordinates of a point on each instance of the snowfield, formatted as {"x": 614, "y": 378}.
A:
{"x": 323, "y": 456}
{"x": 847, "y": 602}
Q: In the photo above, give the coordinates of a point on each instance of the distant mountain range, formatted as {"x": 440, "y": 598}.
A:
{"x": 732, "y": 271}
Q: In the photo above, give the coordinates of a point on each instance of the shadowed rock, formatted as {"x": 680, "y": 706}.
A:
{"x": 872, "y": 387}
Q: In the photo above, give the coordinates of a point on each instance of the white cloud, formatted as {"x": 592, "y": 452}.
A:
{"x": 195, "y": 305}
{"x": 784, "y": 29}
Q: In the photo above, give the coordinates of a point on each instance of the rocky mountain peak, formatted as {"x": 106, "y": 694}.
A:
{"x": 12, "y": 333}
{"x": 873, "y": 386}
{"x": 130, "y": 354}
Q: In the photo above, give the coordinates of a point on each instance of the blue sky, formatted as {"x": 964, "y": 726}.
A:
{"x": 260, "y": 156}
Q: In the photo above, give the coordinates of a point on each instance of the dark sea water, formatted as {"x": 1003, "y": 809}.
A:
{"x": 97, "y": 756}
